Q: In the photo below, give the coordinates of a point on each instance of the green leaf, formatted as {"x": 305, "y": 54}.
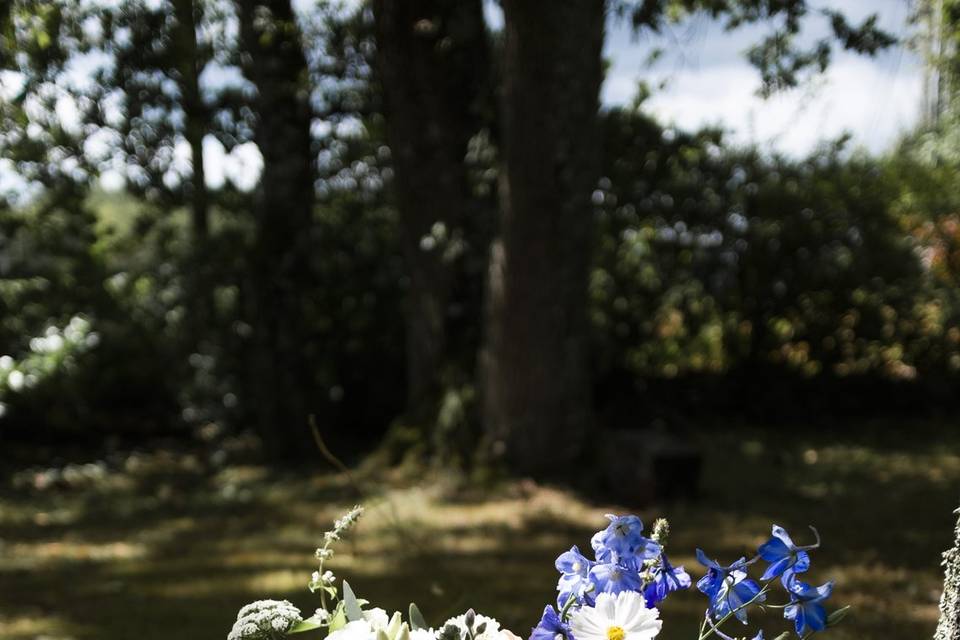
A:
{"x": 306, "y": 625}
{"x": 416, "y": 618}
{"x": 783, "y": 636}
{"x": 350, "y": 605}
{"x": 339, "y": 619}
{"x": 834, "y": 618}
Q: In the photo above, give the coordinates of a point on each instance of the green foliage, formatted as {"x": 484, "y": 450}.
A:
{"x": 47, "y": 267}
{"x": 836, "y": 617}
{"x": 53, "y": 353}
{"x": 350, "y": 604}
{"x": 714, "y": 260}
{"x": 710, "y": 261}
{"x": 416, "y": 618}
{"x": 129, "y": 260}
{"x": 783, "y": 63}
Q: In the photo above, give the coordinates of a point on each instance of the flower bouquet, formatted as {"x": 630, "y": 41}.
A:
{"x": 614, "y": 596}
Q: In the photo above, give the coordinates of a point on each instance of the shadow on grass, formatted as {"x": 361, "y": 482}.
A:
{"x": 151, "y": 563}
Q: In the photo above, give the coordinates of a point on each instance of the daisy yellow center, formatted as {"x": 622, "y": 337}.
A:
{"x": 616, "y": 633}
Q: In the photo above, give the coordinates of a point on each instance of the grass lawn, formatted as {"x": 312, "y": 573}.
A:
{"x": 159, "y": 552}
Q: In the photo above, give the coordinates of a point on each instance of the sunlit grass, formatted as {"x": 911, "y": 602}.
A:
{"x": 23, "y": 627}
{"x": 176, "y": 556}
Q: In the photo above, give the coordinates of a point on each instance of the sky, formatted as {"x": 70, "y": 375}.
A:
{"x": 709, "y": 82}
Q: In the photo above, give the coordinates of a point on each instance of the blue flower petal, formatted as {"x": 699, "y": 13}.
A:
{"x": 709, "y": 584}
{"x": 806, "y": 607}
{"x": 801, "y": 590}
{"x": 707, "y": 562}
{"x": 800, "y": 622}
{"x": 574, "y": 562}
{"x": 613, "y": 578}
{"x": 679, "y": 577}
{"x": 740, "y": 594}
{"x": 815, "y": 616}
{"x": 549, "y": 626}
{"x": 781, "y": 534}
{"x": 773, "y": 550}
{"x": 648, "y": 549}
{"x": 790, "y": 611}
{"x": 824, "y": 591}
{"x": 777, "y": 568}
{"x": 600, "y": 551}
{"x": 666, "y": 580}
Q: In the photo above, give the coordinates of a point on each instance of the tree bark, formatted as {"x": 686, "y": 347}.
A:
{"x": 283, "y": 375}
{"x": 948, "y": 627}
{"x": 432, "y": 62}
{"x": 196, "y": 125}
{"x": 537, "y": 396}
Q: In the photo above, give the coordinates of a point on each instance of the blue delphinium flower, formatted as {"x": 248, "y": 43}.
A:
{"x": 666, "y": 580}
{"x": 806, "y": 608}
{"x": 716, "y": 573}
{"x": 737, "y": 590}
{"x": 614, "y": 578}
{"x": 622, "y": 542}
{"x": 574, "y": 580}
{"x": 551, "y": 627}
{"x": 785, "y": 558}
{"x": 728, "y": 588}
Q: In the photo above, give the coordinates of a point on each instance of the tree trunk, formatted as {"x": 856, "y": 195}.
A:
{"x": 537, "y": 396}
{"x": 283, "y": 377}
{"x": 948, "y": 628}
{"x": 432, "y": 63}
{"x": 196, "y": 124}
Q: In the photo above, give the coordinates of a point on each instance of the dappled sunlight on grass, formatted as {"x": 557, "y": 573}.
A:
{"x": 177, "y": 557}
{"x": 40, "y": 554}
{"x": 27, "y": 627}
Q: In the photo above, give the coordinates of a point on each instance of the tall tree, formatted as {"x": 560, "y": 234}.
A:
{"x": 537, "y": 385}
{"x": 189, "y": 64}
{"x": 141, "y": 102}
{"x": 537, "y": 395}
{"x": 282, "y": 370}
{"x": 432, "y": 63}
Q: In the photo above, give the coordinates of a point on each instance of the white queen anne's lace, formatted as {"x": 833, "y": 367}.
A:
{"x": 264, "y": 620}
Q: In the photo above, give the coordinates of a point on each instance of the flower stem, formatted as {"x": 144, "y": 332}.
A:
{"x": 815, "y": 545}
{"x": 566, "y": 607}
{"x": 713, "y": 627}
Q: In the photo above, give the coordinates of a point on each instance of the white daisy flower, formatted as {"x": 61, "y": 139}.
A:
{"x": 374, "y": 621}
{"x": 616, "y": 617}
{"x": 377, "y": 618}
{"x": 356, "y": 630}
{"x": 423, "y": 634}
